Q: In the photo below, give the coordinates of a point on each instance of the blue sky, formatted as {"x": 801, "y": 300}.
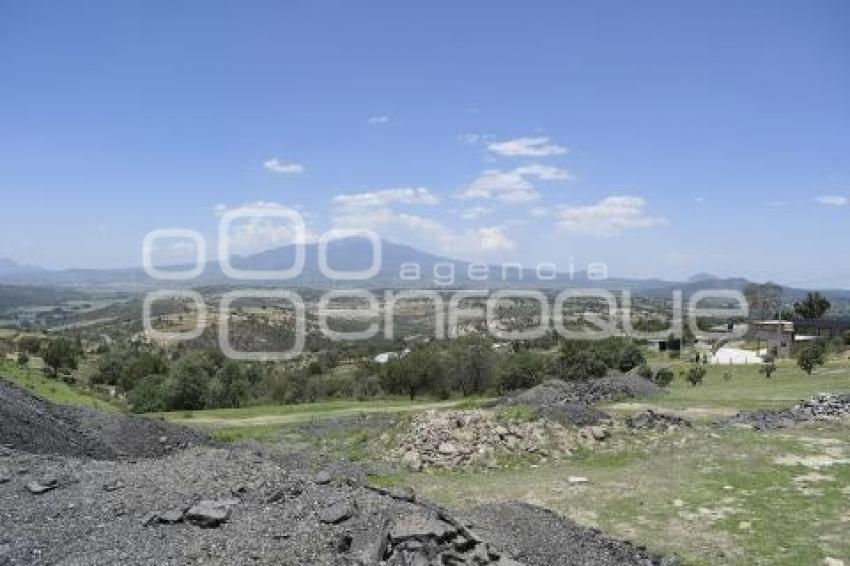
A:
{"x": 662, "y": 138}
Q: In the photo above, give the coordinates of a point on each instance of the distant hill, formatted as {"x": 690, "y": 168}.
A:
{"x": 699, "y": 277}
{"x": 356, "y": 254}
{"x": 12, "y": 267}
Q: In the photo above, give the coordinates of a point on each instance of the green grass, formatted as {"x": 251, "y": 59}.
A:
{"x": 54, "y": 390}
{"x": 516, "y": 413}
{"x": 748, "y": 389}
{"x": 293, "y": 414}
{"x": 710, "y": 498}
{"x": 237, "y": 433}
{"x": 725, "y": 495}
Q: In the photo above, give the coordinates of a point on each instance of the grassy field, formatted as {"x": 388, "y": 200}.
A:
{"x": 267, "y": 422}
{"x": 728, "y": 389}
{"x": 710, "y": 495}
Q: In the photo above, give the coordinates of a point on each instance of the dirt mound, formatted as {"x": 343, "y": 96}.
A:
{"x": 31, "y": 424}
{"x": 825, "y": 406}
{"x": 448, "y": 439}
{"x": 569, "y": 402}
{"x": 235, "y": 505}
{"x": 538, "y": 537}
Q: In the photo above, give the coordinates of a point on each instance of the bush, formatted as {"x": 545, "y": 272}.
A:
{"x": 645, "y": 372}
{"x": 696, "y": 373}
{"x": 810, "y": 356}
{"x": 663, "y": 377}
{"x": 631, "y": 357}
{"x": 767, "y": 368}
{"x": 149, "y": 395}
{"x": 582, "y": 365}
{"x": 522, "y": 370}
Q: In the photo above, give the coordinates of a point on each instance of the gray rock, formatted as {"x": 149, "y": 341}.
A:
{"x": 402, "y": 493}
{"x": 171, "y": 516}
{"x": 337, "y": 513}
{"x": 323, "y": 478}
{"x": 419, "y": 527}
{"x": 42, "y": 486}
{"x": 412, "y": 460}
{"x": 208, "y": 514}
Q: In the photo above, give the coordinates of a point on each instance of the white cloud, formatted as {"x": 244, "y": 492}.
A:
{"x": 493, "y": 238}
{"x": 532, "y": 147}
{"x": 486, "y": 238}
{"x": 251, "y": 235}
{"x": 403, "y": 195}
{"x": 381, "y": 119}
{"x": 374, "y": 210}
{"x": 512, "y": 186}
{"x": 833, "y": 200}
{"x": 609, "y": 217}
{"x": 539, "y": 212}
{"x": 475, "y": 212}
{"x": 277, "y": 166}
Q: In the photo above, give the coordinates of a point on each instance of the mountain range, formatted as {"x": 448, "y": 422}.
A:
{"x": 396, "y": 271}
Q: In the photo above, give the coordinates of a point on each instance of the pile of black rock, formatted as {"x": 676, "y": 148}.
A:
{"x": 824, "y": 406}
{"x": 649, "y": 419}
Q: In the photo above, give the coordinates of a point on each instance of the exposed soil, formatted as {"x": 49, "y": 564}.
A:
{"x": 539, "y": 537}
{"x": 825, "y": 406}
{"x": 571, "y": 402}
{"x": 33, "y": 425}
{"x": 82, "y": 487}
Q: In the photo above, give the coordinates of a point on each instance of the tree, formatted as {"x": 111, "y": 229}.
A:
{"x": 696, "y": 373}
{"x": 30, "y": 344}
{"x": 581, "y": 365}
{"x": 23, "y": 358}
{"x": 768, "y": 367}
{"x": 417, "y": 371}
{"x": 765, "y": 300}
{"x": 60, "y": 355}
{"x": 631, "y": 357}
{"x": 814, "y": 306}
{"x": 809, "y": 357}
{"x": 189, "y": 380}
{"x": 522, "y": 370}
{"x": 471, "y": 364}
{"x": 663, "y": 377}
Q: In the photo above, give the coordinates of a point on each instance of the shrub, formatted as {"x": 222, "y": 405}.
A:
{"x": 810, "y": 356}
{"x": 631, "y": 357}
{"x": 582, "y": 365}
{"x": 696, "y": 373}
{"x": 767, "y": 368}
{"x": 645, "y": 372}
{"x": 663, "y": 377}
{"x": 522, "y": 370}
{"x": 150, "y": 394}
{"x": 727, "y": 376}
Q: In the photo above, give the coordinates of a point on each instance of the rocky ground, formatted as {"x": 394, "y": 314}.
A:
{"x": 449, "y": 439}
{"x": 824, "y": 406}
{"x": 571, "y": 402}
{"x": 650, "y": 419}
{"x": 71, "y": 492}
{"x": 553, "y": 540}
{"x": 34, "y": 425}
